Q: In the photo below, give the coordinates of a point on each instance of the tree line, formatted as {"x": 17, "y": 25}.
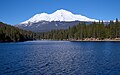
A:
{"x": 95, "y": 30}
{"x": 12, "y": 34}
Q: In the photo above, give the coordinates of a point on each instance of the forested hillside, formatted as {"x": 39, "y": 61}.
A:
{"x": 12, "y": 34}
{"x": 82, "y": 31}
{"x": 96, "y": 31}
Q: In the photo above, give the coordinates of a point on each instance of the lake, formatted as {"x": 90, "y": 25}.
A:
{"x": 60, "y": 58}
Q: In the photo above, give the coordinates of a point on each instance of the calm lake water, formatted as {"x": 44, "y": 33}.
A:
{"x": 60, "y": 58}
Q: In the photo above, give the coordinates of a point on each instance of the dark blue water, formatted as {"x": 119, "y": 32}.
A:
{"x": 60, "y": 58}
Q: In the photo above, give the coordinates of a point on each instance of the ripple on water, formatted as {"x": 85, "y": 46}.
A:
{"x": 60, "y": 58}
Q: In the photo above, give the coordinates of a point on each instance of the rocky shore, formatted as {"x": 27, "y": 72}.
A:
{"x": 94, "y": 39}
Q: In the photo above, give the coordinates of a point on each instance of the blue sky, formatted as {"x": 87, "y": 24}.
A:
{"x": 16, "y": 11}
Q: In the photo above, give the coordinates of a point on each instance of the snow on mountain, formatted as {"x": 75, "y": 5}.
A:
{"x": 59, "y": 15}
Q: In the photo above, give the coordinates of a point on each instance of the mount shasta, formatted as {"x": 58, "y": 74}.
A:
{"x": 60, "y": 19}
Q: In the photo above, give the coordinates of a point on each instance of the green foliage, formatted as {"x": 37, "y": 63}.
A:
{"x": 12, "y": 34}
{"x": 96, "y": 30}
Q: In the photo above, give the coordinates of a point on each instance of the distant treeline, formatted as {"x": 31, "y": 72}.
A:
{"x": 82, "y": 31}
{"x": 12, "y": 34}
{"x": 96, "y": 30}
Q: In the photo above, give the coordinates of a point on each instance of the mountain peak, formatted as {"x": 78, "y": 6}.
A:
{"x": 62, "y": 11}
{"x": 59, "y": 15}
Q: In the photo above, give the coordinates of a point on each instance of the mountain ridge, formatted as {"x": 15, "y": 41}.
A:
{"x": 59, "y": 15}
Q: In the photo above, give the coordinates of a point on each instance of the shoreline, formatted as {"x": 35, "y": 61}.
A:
{"x": 87, "y": 40}
{"x": 97, "y": 40}
{"x": 94, "y": 40}
{"x": 72, "y": 40}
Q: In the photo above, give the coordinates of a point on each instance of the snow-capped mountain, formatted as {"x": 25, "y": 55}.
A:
{"x": 59, "y": 15}
{"x": 60, "y": 19}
